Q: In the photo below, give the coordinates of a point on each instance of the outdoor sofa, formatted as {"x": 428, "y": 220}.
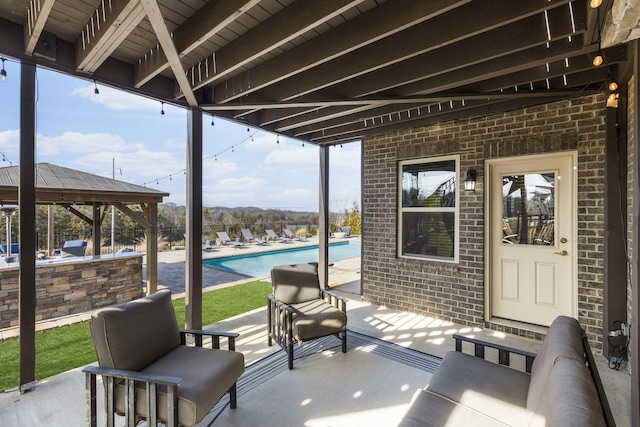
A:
{"x": 152, "y": 370}
{"x": 560, "y": 386}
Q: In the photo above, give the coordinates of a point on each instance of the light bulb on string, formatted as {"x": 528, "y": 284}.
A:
{"x": 613, "y": 86}
{"x": 3, "y": 72}
{"x": 277, "y": 139}
{"x": 212, "y": 122}
{"x": 96, "y": 91}
{"x": 162, "y": 110}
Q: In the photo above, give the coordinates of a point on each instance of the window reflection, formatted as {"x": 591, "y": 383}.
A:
{"x": 528, "y": 210}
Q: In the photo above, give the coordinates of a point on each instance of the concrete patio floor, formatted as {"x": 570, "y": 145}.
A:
{"x": 43, "y": 405}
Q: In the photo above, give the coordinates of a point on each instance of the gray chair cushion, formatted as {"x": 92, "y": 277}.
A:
{"x": 563, "y": 339}
{"x": 497, "y": 391}
{"x": 295, "y": 283}
{"x": 569, "y": 398}
{"x": 207, "y": 375}
{"x": 317, "y": 318}
{"x": 431, "y": 410}
{"x": 133, "y": 335}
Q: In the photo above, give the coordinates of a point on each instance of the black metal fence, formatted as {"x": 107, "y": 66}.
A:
{"x": 171, "y": 237}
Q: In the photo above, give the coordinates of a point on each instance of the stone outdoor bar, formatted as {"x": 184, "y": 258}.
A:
{"x": 73, "y": 285}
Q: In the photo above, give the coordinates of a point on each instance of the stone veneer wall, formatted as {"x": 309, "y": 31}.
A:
{"x": 455, "y": 292}
{"x": 73, "y": 287}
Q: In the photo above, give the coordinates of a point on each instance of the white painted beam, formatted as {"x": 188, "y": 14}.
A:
{"x": 37, "y": 14}
{"x": 164, "y": 37}
{"x": 109, "y": 25}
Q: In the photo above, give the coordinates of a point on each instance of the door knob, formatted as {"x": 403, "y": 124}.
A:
{"x": 563, "y": 253}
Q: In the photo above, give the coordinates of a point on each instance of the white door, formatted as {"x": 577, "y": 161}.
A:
{"x": 532, "y": 243}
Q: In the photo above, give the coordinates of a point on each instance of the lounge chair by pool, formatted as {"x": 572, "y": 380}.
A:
{"x": 248, "y": 237}
{"x": 224, "y": 237}
{"x": 273, "y": 236}
{"x": 293, "y": 236}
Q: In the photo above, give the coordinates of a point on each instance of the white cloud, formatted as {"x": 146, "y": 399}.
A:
{"x": 79, "y": 143}
{"x": 293, "y": 156}
{"x": 243, "y": 184}
{"x": 115, "y": 99}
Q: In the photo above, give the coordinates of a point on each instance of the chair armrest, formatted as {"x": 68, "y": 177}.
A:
{"x": 133, "y": 375}
{"x": 504, "y": 352}
{"x": 198, "y": 334}
{"x": 130, "y": 378}
{"x": 336, "y": 300}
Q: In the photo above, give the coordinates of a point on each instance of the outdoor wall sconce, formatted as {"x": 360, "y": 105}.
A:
{"x": 470, "y": 180}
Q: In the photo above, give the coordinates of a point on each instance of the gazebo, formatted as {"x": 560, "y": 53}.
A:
{"x": 70, "y": 188}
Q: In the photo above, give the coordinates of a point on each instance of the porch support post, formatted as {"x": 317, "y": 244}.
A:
{"x": 193, "y": 265}
{"x": 323, "y": 219}
{"x": 97, "y": 221}
{"x": 615, "y": 206}
{"x": 634, "y": 359}
{"x": 151, "y": 235}
{"x": 27, "y": 215}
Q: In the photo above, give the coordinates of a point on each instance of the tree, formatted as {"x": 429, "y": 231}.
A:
{"x": 354, "y": 220}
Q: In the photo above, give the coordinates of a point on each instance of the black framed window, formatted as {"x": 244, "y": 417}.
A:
{"x": 428, "y": 211}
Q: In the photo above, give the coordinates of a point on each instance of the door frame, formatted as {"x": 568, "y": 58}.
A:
{"x": 488, "y": 240}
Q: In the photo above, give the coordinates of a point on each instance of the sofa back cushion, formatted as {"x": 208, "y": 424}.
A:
{"x": 296, "y": 283}
{"x": 133, "y": 335}
{"x": 563, "y": 340}
{"x": 569, "y": 398}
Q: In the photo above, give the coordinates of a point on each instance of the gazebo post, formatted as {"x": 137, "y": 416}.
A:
{"x": 97, "y": 238}
{"x": 152, "y": 248}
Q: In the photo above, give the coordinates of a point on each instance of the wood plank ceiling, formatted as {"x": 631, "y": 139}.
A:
{"x": 326, "y": 71}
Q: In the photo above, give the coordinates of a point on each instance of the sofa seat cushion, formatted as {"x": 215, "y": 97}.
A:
{"x": 431, "y": 410}
{"x": 569, "y": 398}
{"x": 207, "y": 375}
{"x": 497, "y": 391}
{"x": 317, "y": 318}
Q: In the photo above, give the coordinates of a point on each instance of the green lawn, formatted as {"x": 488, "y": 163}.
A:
{"x": 61, "y": 349}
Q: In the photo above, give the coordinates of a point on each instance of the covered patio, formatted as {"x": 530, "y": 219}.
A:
{"x": 471, "y": 82}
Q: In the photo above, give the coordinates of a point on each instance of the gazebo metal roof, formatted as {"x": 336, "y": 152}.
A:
{"x": 57, "y": 184}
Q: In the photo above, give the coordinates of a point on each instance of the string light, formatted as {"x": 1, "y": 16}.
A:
{"x": 162, "y": 109}
{"x": 212, "y": 122}
{"x": 277, "y": 139}
{"x": 3, "y": 73}
{"x": 96, "y": 91}
{"x": 595, "y": 4}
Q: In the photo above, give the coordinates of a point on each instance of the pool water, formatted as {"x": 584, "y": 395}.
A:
{"x": 257, "y": 265}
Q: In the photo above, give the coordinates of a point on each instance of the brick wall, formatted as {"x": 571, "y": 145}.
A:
{"x": 73, "y": 287}
{"x": 456, "y": 292}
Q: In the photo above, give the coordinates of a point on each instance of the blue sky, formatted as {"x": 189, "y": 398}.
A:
{"x": 76, "y": 130}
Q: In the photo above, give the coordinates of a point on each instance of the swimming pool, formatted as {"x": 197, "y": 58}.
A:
{"x": 257, "y": 265}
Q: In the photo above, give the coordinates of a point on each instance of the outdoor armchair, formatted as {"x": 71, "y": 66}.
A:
{"x": 150, "y": 372}
{"x": 299, "y": 310}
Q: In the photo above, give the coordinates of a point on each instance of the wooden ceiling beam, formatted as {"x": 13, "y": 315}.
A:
{"x": 109, "y": 25}
{"x": 293, "y": 21}
{"x": 495, "y": 68}
{"x": 37, "y": 14}
{"x": 382, "y": 21}
{"x": 201, "y": 26}
{"x": 164, "y": 37}
{"x": 479, "y": 31}
{"x": 359, "y": 131}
